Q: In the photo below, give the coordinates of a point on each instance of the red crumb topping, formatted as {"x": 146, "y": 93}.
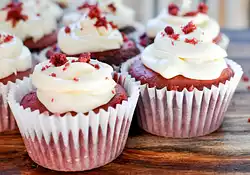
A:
{"x": 67, "y": 29}
{"x": 125, "y": 38}
{"x": 5, "y": 38}
{"x": 97, "y": 66}
{"x": 84, "y": 58}
{"x": 112, "y": 7}
{"x": 53, "y": 75}
{"x": 245, "y": 78}
{"x": 76, "y": 79}
{"x": 101, "y": 22}
{"x": 193, "y": 41}
{"x": 173, "y": 9}
{"x": 15, "y": 13}
{"x": 169, "y": 30}
{"x": 38, "y": 14}
{"x": 203, "y": 8}
{"x": 43, "y": 69}
{"x": 52, "y": 100}
{"x": 85, "y": 6}
{"x": 113, "y": 92}
{"x": 113, "y": 25}
{"x": 189, "y": 28}
{"x": 174, "y": 36}
{"x": 193, "y": 13}
{"x": 58, "y": 59}
{"x": 94, "y": 12}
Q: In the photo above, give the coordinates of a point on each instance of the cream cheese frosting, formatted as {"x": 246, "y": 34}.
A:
{"x": 26, "y": 21}
{"x": 184, "y": 52}
{"x": 202, "y": 20}
{"x": 87, "y": 35}
{"x": 73, "y": 86}
{"x": 114, "y": 11}
{"x": 14, "y": 56}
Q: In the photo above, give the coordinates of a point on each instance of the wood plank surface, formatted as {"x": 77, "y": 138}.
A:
{"x": 225, "y": 152}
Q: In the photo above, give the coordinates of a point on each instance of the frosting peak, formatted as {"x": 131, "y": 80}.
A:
{"x": 184, "y": 52}
{"x": 93, "y": 33}
{"x": 14, "y": 56}
{"x": 73, "y": 84}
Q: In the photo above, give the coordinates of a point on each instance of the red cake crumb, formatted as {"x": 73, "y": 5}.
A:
{"x": 193, "y": 41}
{"x": 189, "y": 28}
{"x": 113, "y": 25}
{"x": 174, "y": 36}
{"x": 94, "y": 12}
{"x": 85, "y": 6}
{"x": 15, "y": 13}
{"x": 58, "y": 59}
{"x": 203, "y": 8}
{"x": 101, "y": 22}
{"x": 245, "y": 78}
{"x": 112, "y": 7}
{"x": 5, "y": 38}
{"x": 169, "y": 30}
{"x": 97, "y": 66}
{"x": 84, "y": 58}
{"x": 193, "y": 13}
{"x": 173, "y": 9}
{"x": 67, "y": 29}
{"x": 53, "y": 75}
{"x": 76, "y": 79}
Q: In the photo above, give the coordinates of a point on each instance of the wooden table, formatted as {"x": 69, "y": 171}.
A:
{"x": 224, "y": 152}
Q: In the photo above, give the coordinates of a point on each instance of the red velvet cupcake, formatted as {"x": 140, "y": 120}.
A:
{"x": 176, "y": 15}
{"x": 93, "y": 33}
{"x": 34, "y": 24}
{"x": 15, "y": 64}
{"x": 76, "y": 116}
{"x": 186, "y": 84}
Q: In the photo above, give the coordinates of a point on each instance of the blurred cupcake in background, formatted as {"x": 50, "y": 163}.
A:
{"x": 186, "y": 83}
{"x": 73, "y": 114}
{"x": 95, "y": 34}
{"x": 176, "y": 15}
{"x": 33, "y": 24}
{"x": 114, "y": 10}
{"x": 15, "y": 65}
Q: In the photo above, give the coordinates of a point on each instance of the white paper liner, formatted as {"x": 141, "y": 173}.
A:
{"x": 184, "y": 114}
{"x": 224, "y": 43}
{"x": 76, "y": 143}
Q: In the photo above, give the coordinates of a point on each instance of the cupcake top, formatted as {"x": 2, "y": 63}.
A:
{"x": 14, "y": 56}
{"x": 184, "y": 52}
{"x": 73, "y": 84}
{"x": 114, "y": 11}
{"x": 26, "y": 21}
{"x": 176, "y": 16}
{"x": 92, "y": 33}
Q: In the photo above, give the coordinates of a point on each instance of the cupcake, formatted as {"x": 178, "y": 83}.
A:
{"x": 114, "y": 10}
{"x": 73, "y": 114}
{"x": 15, "y": 64}
{"x": 178, "y": 15}
{"x": 186, "y": 84}
{"x": 93, "y": 33}
{"x": 35, "y": 28}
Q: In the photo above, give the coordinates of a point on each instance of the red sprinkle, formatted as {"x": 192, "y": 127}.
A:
{"x": 67, "y": 29}
{"x": 193, "y": 41}
{"x": 84, "y": 58}
{"x": 203, "y": 8}
{"x": 15, "y": 13}
{"x": 97, "y": 66}
{"x": 113, "y": 92}
{"x": 76, "y": 79}
{"x": 101, "y": 22}
{"x": 94, "y": 12}
{"x": 245, "y": 78}
{"x": 112, "y": 7}
{"x": 189, "y": 28}
{"x": 174, "y": 36}
{"x": 58, "y": 59}
{"x": 84, "y": 6}
{"x": 194, "y": 13}
{"x": 52, "y": 100}
{"x": 173, "y": 9}
{"x": 53, "y": 75}
{"x": 43, "y": 69}
{"x": 38, "y": 14}
{"x": 172, "y": 42}
{"x": 8, "y": 38}
{"x": 169, "y": 30}
{"x": 113, "y": 25}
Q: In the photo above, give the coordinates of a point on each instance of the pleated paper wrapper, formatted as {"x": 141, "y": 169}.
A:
{"x": 184, "y": 114}
{"x": 78, "y": 143}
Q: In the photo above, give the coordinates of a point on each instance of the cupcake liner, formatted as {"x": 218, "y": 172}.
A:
{"x": 224, "y": 41}
{"x": 184, "y": 114}
{"x": 78, "y": 143}
{"x": 7, "y": 121}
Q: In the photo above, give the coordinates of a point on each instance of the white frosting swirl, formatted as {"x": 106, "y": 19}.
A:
{"x": 84, "y": 36}
{"x": 14, "y": 56}
{"x": 207, "y": 24}
{"x": 36, "y": 26}
{"x": 170, "y": 58}
{"x": 61, "y": 94}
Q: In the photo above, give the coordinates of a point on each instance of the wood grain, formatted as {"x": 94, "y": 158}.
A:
{"x": 224, "y": 152}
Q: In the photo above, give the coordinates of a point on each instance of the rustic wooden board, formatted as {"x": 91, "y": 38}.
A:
{"x": 224, "y": 152}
